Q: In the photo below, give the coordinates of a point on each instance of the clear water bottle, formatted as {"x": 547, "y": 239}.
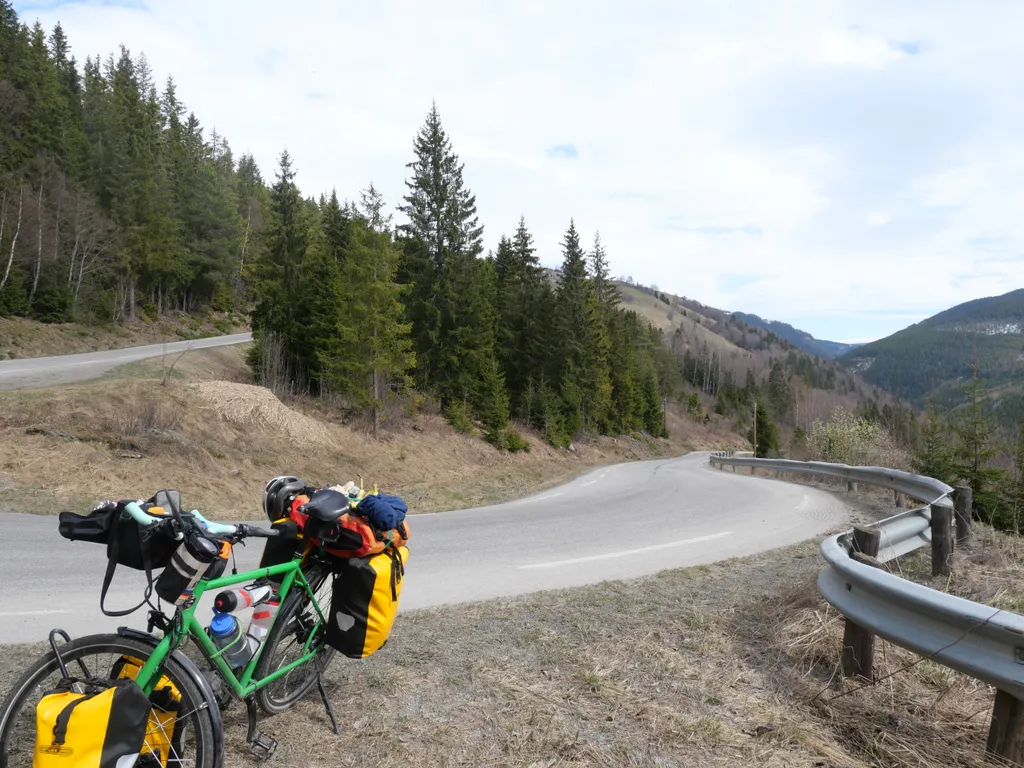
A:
{"x": 262, "y": 618}
{"x": 227, "y": 634}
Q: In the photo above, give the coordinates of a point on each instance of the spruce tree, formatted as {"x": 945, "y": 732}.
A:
{"x": 974, "y": 448}
{"x": 607, "y": 294}
{"x": 372, "y": 350}
{"x": 934, "y": 455}
{"x": 767, "y": 432}
{"x": 276, "y": 285}
{"x": 450, "y": 306}
{"x": 583, "y": 370}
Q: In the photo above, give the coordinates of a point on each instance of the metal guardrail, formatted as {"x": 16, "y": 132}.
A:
{"x": 980, "y": 641}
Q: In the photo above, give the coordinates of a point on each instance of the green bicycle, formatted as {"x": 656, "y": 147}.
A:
{"x": 195, "y": 732}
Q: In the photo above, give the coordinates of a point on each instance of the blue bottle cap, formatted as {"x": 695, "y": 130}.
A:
{"x": 222, "y": 624}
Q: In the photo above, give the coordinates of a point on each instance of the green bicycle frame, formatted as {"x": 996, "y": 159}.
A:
{"x": 244, "y": 685}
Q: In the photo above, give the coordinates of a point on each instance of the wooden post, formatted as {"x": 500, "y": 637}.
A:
{"x": 942, "y": 539}
{"x": 1006, "y": 733}
{"x": 858, "y": 643}
{"x": 964, "y": 500}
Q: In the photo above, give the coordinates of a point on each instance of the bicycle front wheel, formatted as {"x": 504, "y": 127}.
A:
{"x": 193, "y": 738}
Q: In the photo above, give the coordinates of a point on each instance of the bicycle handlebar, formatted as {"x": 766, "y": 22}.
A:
{"x": 216, "y": 529}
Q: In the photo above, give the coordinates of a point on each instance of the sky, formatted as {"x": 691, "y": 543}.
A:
{"x": 846, "y": 167}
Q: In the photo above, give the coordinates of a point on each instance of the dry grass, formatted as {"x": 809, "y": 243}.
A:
{"x": 720, "y": 665}
{"x": 734, "y": 663}
{"x": 218, "y": 439}
{"x": 728, "y": 664}
{"x": 693, "y": 324}
{"x": 20, "y": 338}
{"x": 247, "y": 405}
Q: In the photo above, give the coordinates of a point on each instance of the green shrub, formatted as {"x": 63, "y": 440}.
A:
{"x": 457, "y": 415}
{"x": 507, "y": 439}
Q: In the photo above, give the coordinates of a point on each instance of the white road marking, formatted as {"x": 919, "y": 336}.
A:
{"x": 541, "y": 498}
{"x": 803, "y": 502}
{"x": 590, "y": 483}
{"x": 30, "y": 613}
{"x": 609, "y": 555}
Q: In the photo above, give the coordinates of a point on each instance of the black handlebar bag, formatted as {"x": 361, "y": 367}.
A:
{"x": 135, "y": 546}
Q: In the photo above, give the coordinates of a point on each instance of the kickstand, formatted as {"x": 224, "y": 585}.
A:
{"x": 261, "y": 746}
{"x": 327, "y": 701}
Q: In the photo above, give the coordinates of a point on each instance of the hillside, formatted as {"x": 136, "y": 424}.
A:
{"x": 800, "y": 339}
{"x": 721, "y": 354}
{"x": 213, "y": 434}
{"x": 925, "y": 362}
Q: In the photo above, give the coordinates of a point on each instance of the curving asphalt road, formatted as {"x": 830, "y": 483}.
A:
{"x": 34, "y": 372}
{"x": 617, "y": 522}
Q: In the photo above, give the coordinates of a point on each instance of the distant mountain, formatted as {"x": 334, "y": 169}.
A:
{"x": 925, "y": 362}
{"x": 796, "y": 337}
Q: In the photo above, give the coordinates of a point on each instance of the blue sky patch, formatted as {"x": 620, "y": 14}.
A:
{"x": 48, "y": 5}
{"x": 563, "y": 150}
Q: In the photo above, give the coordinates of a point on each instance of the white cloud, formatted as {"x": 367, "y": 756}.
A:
{"x": 854, "y": 48}
{"x": 769, "y": 140}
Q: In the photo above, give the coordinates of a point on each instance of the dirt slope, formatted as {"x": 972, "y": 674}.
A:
{"x": 217, "y": 438}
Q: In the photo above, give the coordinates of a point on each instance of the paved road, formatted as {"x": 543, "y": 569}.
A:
{"x": 62, "y": 369}
{"x": 613, "y": 523}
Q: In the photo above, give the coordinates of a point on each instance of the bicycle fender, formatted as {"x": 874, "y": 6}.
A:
{"x": 199, "y": 679}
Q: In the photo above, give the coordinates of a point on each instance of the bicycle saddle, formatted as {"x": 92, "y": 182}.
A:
{"x": 325, "y": 505}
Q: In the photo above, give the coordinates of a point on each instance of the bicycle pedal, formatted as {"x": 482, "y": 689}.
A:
{"x": 263, "y": 746}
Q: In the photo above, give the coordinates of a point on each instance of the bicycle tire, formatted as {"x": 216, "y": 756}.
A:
{"x": 282, "y": 628}
{"x": 193, "y": 701}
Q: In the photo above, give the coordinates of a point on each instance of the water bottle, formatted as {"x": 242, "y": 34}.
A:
{"x": 189, "y": 562}
{"x": 242, "y": 597}
{"x": 226, "y": 633}
{"x": 262, "y": 618}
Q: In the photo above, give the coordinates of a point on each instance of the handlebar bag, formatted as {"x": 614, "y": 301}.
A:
{"x": 128, "y": 543}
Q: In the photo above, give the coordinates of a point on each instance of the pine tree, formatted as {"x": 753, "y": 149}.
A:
{"x": 607, "y": 294}
{"x": 1011, "y": 502}
{"x": 276, "y": 286}
{"x": 372, "y": 351}
{"x": 974, "y": 448}
{"x": 934, "y": 456}
{"x": 450, "y": 306}
{"x": 583, "y": 370}
{"x": 780, "y": 396}
{"x": 767, "y": 432}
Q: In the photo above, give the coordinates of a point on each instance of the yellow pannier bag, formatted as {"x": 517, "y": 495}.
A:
{"x": 163, "y": 717}
{"x": 104, "y": 727}
{"x": 364, "y": 602}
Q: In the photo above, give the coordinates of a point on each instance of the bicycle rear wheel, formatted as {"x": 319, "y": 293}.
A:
{"x": 194, "y": 740}
{"x": 286, "y": 640}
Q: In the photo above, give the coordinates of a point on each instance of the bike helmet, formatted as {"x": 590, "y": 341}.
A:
{"x": 278, "y": 495}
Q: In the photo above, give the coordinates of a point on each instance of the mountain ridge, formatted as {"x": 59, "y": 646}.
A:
{"x": 926, "y": 362}
{"x": 798, "y": 338}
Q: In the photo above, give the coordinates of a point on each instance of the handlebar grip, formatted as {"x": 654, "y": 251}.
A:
{"x": 133, "y": 509}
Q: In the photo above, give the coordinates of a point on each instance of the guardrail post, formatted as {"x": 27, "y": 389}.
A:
{"x": 942, "y": 539}
{"x": 964, "y": 500}
{"x": 858, "y": 643}
{"x": 898, "y": 497}
{"x": 851, "y": 486}
{"x": 1006, "y": 733}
